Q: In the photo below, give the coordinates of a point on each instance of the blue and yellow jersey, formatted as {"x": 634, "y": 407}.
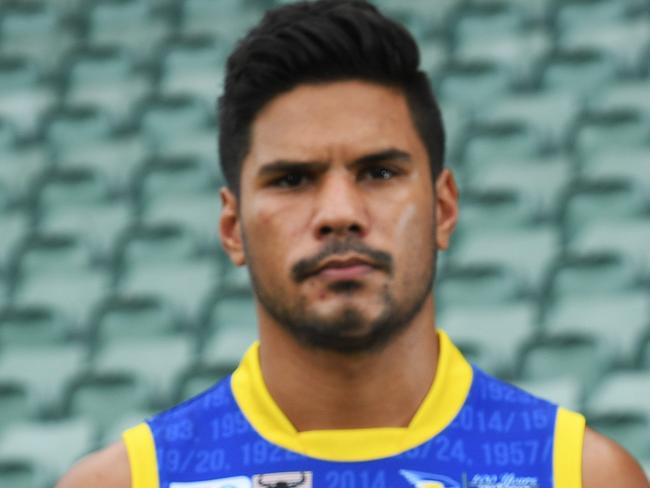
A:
{"x": 471, "y": 430}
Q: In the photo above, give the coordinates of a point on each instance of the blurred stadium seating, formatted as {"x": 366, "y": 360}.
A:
{"x": 116, "y": 301}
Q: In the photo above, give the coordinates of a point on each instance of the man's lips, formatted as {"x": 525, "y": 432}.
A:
{"x": 344, "y": 269}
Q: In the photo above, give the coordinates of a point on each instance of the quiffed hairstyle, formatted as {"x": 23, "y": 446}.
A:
{"x": 317, "y": 42}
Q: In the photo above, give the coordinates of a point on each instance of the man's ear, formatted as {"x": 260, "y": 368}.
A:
{"x": 446, "y": 208}
{"x": 230, "y": 228}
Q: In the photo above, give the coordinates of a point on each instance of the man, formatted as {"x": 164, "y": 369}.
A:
{"x": 337, "y": 201}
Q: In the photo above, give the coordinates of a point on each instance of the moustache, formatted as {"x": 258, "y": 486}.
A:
{"x": 306, "y": 267}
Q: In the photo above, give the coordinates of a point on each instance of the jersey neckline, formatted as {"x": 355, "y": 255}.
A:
{"x": 440, "y": 406}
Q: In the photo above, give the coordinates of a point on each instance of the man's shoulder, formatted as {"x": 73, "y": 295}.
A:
{"x": 102, "y": 469}
{"x": 605, "y": 464}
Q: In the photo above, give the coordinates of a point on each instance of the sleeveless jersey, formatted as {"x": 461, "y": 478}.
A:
{"x": 471, "y": 431}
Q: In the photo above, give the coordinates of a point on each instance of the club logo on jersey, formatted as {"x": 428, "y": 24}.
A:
{"x": 420, "y": 479}
{"x": 291, "y": 479}
{"x": 234, "y": 482}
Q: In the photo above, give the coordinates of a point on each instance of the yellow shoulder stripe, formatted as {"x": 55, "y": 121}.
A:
{"x": 142, "y": 456}
{"x": 567, "y": 454}
{"x": 442, "y": 403}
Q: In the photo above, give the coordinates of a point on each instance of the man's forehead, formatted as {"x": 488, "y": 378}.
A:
{"x": 329, "y": 121}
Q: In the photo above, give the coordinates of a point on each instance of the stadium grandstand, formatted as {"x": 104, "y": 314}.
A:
{"x": 116, "y": 299}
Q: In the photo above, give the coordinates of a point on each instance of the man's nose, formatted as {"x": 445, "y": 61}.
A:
{"x": 341, "y": 209}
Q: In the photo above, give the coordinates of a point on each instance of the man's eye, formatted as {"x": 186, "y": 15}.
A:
{"x": 379, "y": 173}
{"x": 290, "y": 180}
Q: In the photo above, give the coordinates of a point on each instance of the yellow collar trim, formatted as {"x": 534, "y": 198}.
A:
{"x": 441, "y": 404}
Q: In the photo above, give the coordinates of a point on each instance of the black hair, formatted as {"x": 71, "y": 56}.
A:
{"x": 317, "y": 42}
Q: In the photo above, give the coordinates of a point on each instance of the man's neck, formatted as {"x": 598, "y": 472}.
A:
{"x": 319, "y": 390}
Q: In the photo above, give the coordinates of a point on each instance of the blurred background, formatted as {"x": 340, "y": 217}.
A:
{"x": 116, "y": 300}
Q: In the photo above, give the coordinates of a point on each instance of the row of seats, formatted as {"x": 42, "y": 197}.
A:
{"x": 141, "y": 25}
{"x": 103, "y": 76}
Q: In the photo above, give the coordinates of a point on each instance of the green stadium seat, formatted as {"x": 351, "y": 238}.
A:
{"x": 77, "y": 125}
{"x": 158, "y": 244}
{"x": 433, "y": 56}
{"x": 594, "y": 14}
{"x": 135, "y": 318}
{"x": 44, "y": 371}
{"x": 478, "y": 284}
{"x": 118, "y": 159}
{"x": 487, "y": 19}
{"x": 233, "y": 327}
{"x": 579, "y": 357}
{"x": 551, "y": 113}
{"x": 172, "y": 116}
{"x": 193, "y": 65}
{"x": 236, "y": 17}
{"x": 200, "y": 143}
{"x": 626, "y": 41}
{"x": 631, "y": 430}
{"x": 32, "y": 325}
{"x": 177, "y": 176}
{"x": 21, "y": 170}
{"x": 490, "y": 143}
{"x": 519, "y": 52}
{"x": 612, "y": 130}
{"x": 8, "y": 137}
{"x": 491, "y": 208}
{"x": 14, "y": 228}
{"x": 625, "y": 237}
{"x": 14, "y": 403}
{"x": 99, "y": 223}
{"x": 199, "y": 380}
{"x": 76, "y": 295}
{"x": 103, "y": 398}
{"x": 633, "y": 94}
{"x": 24, "y": 98}
{"x": 609, "y": 199}
{"x": 498, "y": 330}
{"x": 134, "y": 25}
{"x": 37, "y": 31}
{"x": 105, "y": 76}
{"x": 621, "y": 392}
{"x": 125, "y": 421}
{"x": 183, "y": 192}
{"x": 617, "y": 319}
{"x": 627, "y": 164}
{"x": 474, "y": 84}
{"x": 579, "y": 71}
{"x": 186, "y": 285}
{"x": 21, "y": 474}
{"x": 456, "y": 121}
{"x": 503, "y": 247}
{"x": 599, "y": 272}
{"x": 236, "y": 279}
{"x": 71, "y": 187}
{"x": 561, "y": 391}
{"x": 52, "y": 446}
{"x": 420, "y": 18}
{"x": 53, "y": 253}
{"x": 156, "y": 362}
{"x": 544, "y": 178}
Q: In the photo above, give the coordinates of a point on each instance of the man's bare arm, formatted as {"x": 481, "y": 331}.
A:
{"x": 605, "y": 464}
{"x": 108, "y": 468}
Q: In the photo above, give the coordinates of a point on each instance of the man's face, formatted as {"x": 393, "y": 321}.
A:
{"x": 337, "y": 214}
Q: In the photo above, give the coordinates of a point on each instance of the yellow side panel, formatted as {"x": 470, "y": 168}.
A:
{"x": 567, "y": 454}
{"x": 142, "y": 456}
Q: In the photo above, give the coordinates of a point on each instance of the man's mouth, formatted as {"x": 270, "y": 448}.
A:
{"x": 344, "y": 268}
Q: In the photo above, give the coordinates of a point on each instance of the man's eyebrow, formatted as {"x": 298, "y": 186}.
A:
{"x": 286, "y": 165}
{"x": 390, "y": 154}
